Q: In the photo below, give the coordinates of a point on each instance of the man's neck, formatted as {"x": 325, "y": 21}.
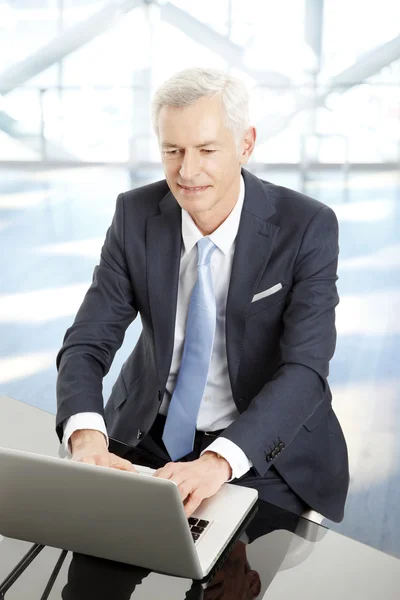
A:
{"x": 207, "y": 226}
{"x": 207, "y": 222}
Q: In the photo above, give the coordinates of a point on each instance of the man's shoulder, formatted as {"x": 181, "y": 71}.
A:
{"x": 291, "y": 204}
{"x": 146, "y": 198}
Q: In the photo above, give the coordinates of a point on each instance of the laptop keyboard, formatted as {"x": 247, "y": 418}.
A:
{"x": 197, "y": 527}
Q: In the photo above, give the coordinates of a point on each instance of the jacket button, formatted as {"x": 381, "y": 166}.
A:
{"x": 160, "y": 396}
{"x": 139, "y": 434}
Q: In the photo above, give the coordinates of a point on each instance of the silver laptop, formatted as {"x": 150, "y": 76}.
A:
{"x": 132, "y": 518}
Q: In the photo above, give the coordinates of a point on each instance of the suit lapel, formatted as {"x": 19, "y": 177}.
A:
{"x": 163, "y": 248}
{"x": 254, "y": 244}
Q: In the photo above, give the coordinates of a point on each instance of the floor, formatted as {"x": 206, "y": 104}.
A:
{"x": 52, "y": 225}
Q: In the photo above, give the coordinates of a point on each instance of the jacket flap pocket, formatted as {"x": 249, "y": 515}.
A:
{"x": 119, "y": 393}
{"x": 315, "y": 419}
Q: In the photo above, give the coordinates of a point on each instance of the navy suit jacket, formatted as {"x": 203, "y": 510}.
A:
{"x": 278, "y": 348}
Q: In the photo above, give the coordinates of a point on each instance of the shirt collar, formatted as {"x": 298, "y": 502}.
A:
{"x": 224, "y": 236}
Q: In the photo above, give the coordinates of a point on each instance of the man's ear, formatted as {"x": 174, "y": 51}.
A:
{"x": 248, "y": 143}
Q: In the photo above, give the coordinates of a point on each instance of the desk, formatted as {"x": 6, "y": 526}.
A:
{"x": 287, "y": 557}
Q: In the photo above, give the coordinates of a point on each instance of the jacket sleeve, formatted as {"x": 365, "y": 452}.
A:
{"x": 98, "y": 330}
{"x": 307, "y": 344}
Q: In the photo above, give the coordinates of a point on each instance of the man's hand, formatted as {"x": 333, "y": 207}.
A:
{"x": 197, "y": 480}
{"x": 89, "y": 446}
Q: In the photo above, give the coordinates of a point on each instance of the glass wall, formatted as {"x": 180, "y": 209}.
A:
{"x": 76, "y": 81}
{"x": 324, "y": 89}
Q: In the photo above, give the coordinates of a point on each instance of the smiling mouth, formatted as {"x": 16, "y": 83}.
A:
{"x": 187, "y": 188}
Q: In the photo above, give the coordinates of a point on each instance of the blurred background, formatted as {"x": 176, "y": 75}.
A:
{"x": 76, "y": 80}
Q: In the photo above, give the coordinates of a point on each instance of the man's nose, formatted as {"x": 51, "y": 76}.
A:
{"x": 190, "y": 166}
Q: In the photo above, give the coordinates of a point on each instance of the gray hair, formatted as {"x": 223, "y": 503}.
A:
{"x": 185, "y": 87}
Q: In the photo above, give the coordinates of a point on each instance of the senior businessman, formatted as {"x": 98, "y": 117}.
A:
{"x": 234, "y": 279}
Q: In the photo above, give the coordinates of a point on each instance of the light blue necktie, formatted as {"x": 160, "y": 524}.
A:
{"x": 180, "y": 426}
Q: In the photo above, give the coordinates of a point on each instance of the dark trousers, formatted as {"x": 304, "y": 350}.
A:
{"x": 94, "y": 578}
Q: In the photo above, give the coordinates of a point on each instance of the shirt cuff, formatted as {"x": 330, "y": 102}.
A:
{"x": 84, "y": 420}
{"x": 235, "y": 456}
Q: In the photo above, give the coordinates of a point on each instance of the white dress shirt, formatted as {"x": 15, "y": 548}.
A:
{"x": 217, "y": 408}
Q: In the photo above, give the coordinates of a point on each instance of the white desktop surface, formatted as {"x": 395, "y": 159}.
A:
{"x": 336, "y": 568}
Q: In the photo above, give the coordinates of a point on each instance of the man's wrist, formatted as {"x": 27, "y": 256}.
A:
{"x": 220, "y": 461}
{"x": 84, "y": 437}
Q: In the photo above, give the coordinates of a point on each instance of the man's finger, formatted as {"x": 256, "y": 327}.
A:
{"x": 116, "y": 462}
{"x": 184, "y": 488}
{"x": 166, "y": 471}
{"x": 88, "y": 460}
{"x": 192, "y": 504}
{"x": 124, "y": 466}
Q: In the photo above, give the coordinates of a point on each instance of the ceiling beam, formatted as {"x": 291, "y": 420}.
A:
{"x": 220, "y": 44}
{"x": 366, "y": 66}
{"x": 61, "y": 46}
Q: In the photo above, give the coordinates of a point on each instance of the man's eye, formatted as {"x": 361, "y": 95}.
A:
{"x": 171, "y": 151}
{"x": 208, "y": 151}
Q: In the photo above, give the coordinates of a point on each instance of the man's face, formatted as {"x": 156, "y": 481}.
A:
{"x": 200, "y": 157}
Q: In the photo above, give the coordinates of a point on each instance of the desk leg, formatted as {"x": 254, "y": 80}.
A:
{"x": 19, "y": 569}
{"x": 54, "y": 575}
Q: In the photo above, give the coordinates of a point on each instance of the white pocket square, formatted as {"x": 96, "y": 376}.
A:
{"x": 268, "y": 292}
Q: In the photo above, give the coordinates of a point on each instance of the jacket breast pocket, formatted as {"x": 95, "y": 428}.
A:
{"x": 268, "y": 302}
